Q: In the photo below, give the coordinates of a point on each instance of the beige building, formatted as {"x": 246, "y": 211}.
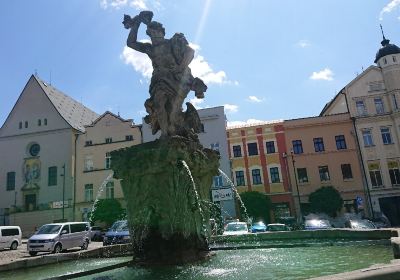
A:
{"x": 38, "y": 149}
{"x": 372, "y": 99}
{"x": 107, "y": 133}
{"x": 322, "y": 151}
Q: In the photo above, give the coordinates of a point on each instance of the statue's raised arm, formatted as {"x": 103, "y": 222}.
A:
{"x": 133, "y": 24}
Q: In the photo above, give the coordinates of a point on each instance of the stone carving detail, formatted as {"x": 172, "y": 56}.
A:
{"x": 171, "y": 81}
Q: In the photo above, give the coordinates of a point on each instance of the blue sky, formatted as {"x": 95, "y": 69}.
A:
{"x": 261, "y": 59}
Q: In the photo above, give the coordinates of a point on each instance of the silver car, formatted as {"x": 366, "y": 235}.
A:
{"x": 59, "y": 236}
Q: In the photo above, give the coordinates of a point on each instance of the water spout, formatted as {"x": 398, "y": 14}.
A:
{"x": 99, "y": 192}
{"x": 236, "y": 194}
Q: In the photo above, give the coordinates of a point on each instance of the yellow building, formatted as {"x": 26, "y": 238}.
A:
{"x": 257, "y": 154}
{"x": 109, "y": 132}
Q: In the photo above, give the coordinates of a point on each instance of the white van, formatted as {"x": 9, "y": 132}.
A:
{"x": 59, "y": 236}
{"x": 10, "y": 237}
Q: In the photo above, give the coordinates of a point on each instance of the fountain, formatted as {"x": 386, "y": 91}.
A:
{"x": 164, "y": 181}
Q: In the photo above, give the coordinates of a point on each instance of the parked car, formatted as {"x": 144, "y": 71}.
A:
{"x": 10, "y": 237}
{"x": 59, "y": 236}
{"x": 118, "y": 233}
{"x": 277, "y": 227}
{"x": 360, "y": 224}
{"x": 315, "y": 224}
{"x": 236, "y": 228}
{"x": 96, "y": 233}
{"x": 258, "y": 227}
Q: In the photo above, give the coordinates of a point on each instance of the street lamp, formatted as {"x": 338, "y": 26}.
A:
{"x": 297, "y": 185}
{"x": 63, "y": 191}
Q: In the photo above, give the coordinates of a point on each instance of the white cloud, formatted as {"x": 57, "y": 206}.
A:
{"x": 303, "y": 44}
{"x": 196, "y": 101}
{"x": 230, "y": 108}
{"x": 389, "y": 8}
{"x": 140, "y": 61}
{"x": 254, "y": 99}
{"x": 139, "y": 5}
{"x": 199, "y": 66}
{"x": 325, "y": 74}
{"x": 136, "y": 4}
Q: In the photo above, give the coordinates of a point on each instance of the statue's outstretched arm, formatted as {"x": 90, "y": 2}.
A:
{"x": 133, "y": 24}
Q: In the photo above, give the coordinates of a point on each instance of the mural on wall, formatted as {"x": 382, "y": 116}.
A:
{"x": 31, "y": 173}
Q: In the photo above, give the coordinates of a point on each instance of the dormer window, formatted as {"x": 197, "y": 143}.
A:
{"x": 108, "y": 140}
{"x": 88, "y": 143}
{"x": 394, "y": 59}
{"x": 385, "y": 60}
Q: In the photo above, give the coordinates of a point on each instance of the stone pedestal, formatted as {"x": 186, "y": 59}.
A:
{"x": 165, "y": 220}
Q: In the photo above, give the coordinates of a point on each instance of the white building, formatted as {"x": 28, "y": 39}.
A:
{"x": 214, "y": 137}
{"x": 38, "y": 151}
{"x": 373, "y": 100}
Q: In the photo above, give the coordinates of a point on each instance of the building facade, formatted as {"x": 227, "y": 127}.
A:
{"x": 38, "y": 148}
{"x": 322, "y": 151}
{"x": 213, "y": 136}
{"x": 107, "y": 133}
{"x": 372, "y": 99}
{"x": 258, "y": 162}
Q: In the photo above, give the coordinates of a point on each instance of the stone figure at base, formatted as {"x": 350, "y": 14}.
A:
{"x": 171, "y": 81}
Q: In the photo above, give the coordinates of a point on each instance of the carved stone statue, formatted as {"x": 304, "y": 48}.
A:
{"x": 171, "y": 81}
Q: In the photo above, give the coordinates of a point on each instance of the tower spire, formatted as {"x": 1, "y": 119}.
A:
{"x": 384, "y": 41}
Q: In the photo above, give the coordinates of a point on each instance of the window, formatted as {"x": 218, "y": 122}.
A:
{"x": 237, "y": 151}
{"x": 319, "y": 144}
{"x": 26, "y": 124}
{"x": 340, "y": 142}
{"x": 256, "y": 175}
{"x": 346, "y": 171}
{"x": 302, "y": 176}
{"x": 297, "y": 147}
{"x": 88, "y": 143}
{"x": 88, "y": 192}
{"x": 52, "y": 177}
{"x": 20, "y": 125}
{"x": 108, "y": 140}
{"x": 394, "y": 172}
{"x": 108, "y": 161}
{"x": 10, "y": 181}
{"x": 9, "y": 232}
{"x": 379, "y": 105}
{"x": 324, "y": 173}
{"x": 274, "y": 171}
{"x": 215, "y": 146}
{"x": 386, "y": 137}
{"x": 396, "y": 106}
{"x": 66, "y": 227}
{"x": 218, "y": 181}
{"x": 270, "y": 145}
{"x": 252, "y": 149}
{"x": 376, "y": 178}
{"x": 394, "y": 59}
{"x": 88, "y": 163}
{"x": 79, "y": 227}
{"x": 361, "y": 110}
{"x": 202, "y": 127}
{"x": 39, "y": 122}
{"x": 45, "y": 121}
{"x": 129, "y": 138}
{"x": 385, "y": 60}
{"x": 239, "y": 178}
{"x": 367, "y": 137}
{"x": 110, "y": 190}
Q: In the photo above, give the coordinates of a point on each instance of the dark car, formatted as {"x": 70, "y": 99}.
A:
{"x": 96, "y": 233}
{"x": 118, "y": 233}
{"x": 258, "y": 227}
{"x": 277, "y": 227}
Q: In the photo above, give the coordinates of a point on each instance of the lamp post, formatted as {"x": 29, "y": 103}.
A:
{"x": 63, "y": 191}
{"x": 297, "y": 185}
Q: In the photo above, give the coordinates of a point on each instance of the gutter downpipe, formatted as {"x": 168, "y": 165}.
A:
{"x": 73, "y": 204}
{"x": 365, "y": 179}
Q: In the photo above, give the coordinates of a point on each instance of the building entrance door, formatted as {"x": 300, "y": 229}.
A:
{"x": 390, "y": 206}
{"x": 30, "y": 202}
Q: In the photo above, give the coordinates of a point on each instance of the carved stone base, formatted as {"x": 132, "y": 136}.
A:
{"x": 167, "y": 220}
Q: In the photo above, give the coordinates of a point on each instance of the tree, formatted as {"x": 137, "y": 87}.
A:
{"x": 326, "y": 200}
{"x": 258, "y": 205}
{"x": 107, "y": 211}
